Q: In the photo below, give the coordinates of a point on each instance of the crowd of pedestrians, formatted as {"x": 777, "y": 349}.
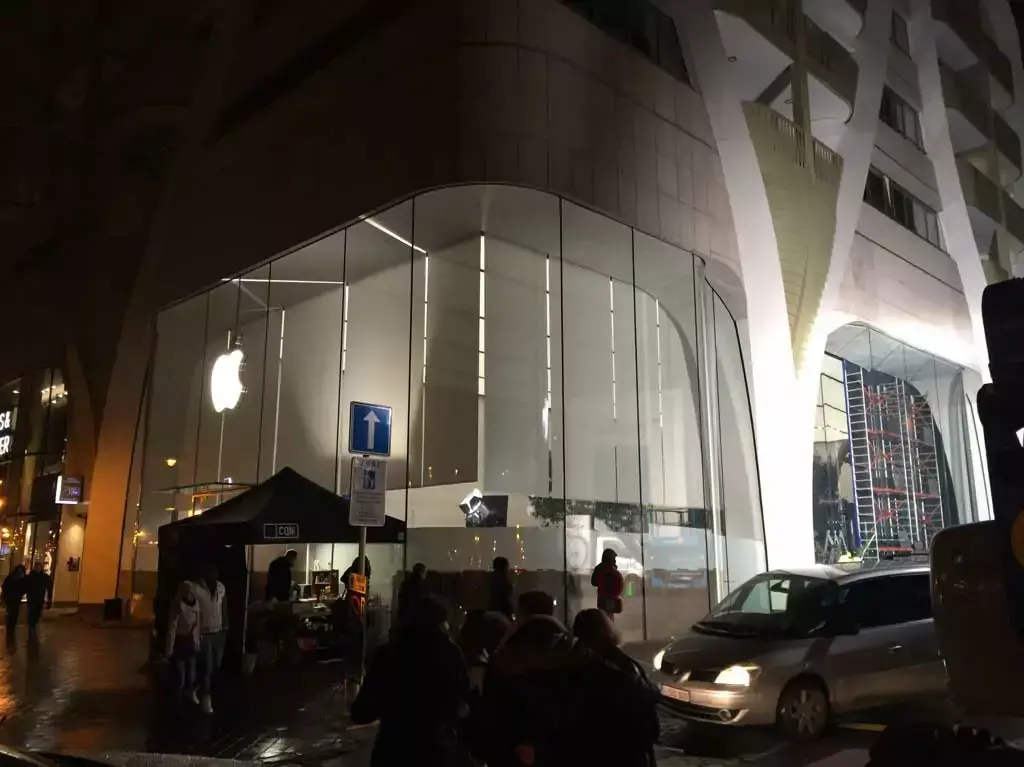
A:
{"x": 518, "y": 689}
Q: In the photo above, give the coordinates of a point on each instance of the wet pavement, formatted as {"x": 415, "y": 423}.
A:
{"x": 87, "y": 690}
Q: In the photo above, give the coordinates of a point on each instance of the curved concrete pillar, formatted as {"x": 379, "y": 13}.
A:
{"x": 855, "y": 147}
{"x": 772, "y": 379}
{"x": 956, "y": 225}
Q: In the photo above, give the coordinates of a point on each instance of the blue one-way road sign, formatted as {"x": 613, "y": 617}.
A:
{"x": 369, "y": 429}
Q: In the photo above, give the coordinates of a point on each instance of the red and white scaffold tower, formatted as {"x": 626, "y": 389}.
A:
{"x": 895, "y": 467}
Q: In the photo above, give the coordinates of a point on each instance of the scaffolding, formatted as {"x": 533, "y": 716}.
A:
{"x": 895, "y": 467}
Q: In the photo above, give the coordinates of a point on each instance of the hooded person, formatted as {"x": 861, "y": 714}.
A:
{"x": 522, "y": 678}
{"x": 541, "y": 692}
{"x": 609, "y": 583}
{"x": 13, "y": 591}
{"x": 183, "y": 638}
{"x": 416, "y": 686}
{"x": 38, "y": 586}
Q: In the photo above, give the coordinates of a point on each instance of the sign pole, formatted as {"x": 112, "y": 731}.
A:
{"x": 362, "y": 615}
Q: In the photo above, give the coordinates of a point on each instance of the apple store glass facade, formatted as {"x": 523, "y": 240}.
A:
{"x": 892, "y": 449}
{"x": 581, "y": 378}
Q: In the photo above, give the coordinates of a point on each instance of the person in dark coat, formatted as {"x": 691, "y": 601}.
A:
{"x": 608, "y": 581}
{"x": 38, "y": 586}
{"x": 413, "y": 588}
{"x": 11, "y": 592}
{"x": 279, "y": 577}
{"x": 416, "y": 686}
{"x": 597, "y": 638}
{"x": 353, "y": 569}
{"x": 541, "y": 691}
{"x": 500, "y": 589}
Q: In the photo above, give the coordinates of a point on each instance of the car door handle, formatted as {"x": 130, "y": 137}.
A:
{"x": 895, "y": 648}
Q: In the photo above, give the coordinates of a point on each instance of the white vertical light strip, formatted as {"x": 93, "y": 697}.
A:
{"x": 482, "y": 360}
{"x": 611, "y": 315}
{"x": 657, "y": 340}
{"x": 547, "y": 322}
{"x": 344, "y": 333}
{"x": 546, "y": 412}
{"x": 277, "y": 400}
{"x": 426, "y": 290}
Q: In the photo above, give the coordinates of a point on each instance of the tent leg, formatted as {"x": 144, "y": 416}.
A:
{"x": 245, "y": 616}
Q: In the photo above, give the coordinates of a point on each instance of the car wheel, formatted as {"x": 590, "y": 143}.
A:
{"x": 803, "y": 711}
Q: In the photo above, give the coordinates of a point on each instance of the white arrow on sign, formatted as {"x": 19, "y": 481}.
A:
{"x": 372, "y": 420}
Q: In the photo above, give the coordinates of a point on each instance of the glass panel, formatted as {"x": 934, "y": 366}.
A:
{"x": 601, "y": 409}
{"x": 301, "y": 378}
{"x": 488, "y": 482}
{"x": 383, "y": 356}
{"x": 221, "y": 334}
{"x": 240, "y": 441}
{"x": 832, "y": 367}
{"x": 676, "y": 536}
{"x": 177, "y": 386}
{"x": 833, "y": 393}
{"x": 744, "y": 524}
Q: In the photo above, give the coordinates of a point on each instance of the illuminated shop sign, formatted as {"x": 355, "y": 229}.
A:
{"x": 69, "y": 490}
{"x": 6, "y": 437}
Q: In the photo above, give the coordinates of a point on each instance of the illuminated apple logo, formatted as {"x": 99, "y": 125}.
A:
{"x": 226, "y": 380}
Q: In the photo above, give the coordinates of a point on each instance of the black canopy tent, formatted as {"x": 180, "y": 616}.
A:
{"x": 287, "y": 508}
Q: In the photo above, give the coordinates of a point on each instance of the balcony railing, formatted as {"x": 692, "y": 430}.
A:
{"x": 776, "y": 20}
{"x": 959, "y": 95}
{"x": 789, "y": 141}
{"x": 964, "y": 18}
{"x": 982, "y": 193}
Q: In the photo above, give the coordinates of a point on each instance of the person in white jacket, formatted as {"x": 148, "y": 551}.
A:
{"x": 183, "y": 638}
{"x": 210, "y": 595}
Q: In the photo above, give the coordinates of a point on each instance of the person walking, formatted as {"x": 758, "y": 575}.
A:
{"x": 413, "y": 588}
{"x": 184, "y": 639}
{"x": 38, "y": 588}
{"x": 500, "y": 589}
{"x": 608, "y": 581}
{"x": 416, "y": 686}
{"x": 11, "y": 592}
{"x": 279, "y": 577}
{"x": 210, "y": 595}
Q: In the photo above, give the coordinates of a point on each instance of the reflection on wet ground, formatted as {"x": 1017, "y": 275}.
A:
{"x": 87, "y": 689}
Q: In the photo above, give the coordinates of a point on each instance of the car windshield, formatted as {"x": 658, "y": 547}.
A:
{"x": 773, "y": 604}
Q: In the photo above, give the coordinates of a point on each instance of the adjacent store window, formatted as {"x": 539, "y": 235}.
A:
{"x": 885, "y": 195}
{"x": 891, "y": 450}
{"x": 900, "y": 36}
{"x": 900, "y": 116}
{"x": 641, "y": 25}
{"x": 542, "y": 361}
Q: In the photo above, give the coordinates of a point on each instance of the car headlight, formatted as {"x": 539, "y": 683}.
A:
{"x": 740, "y": 675}
{"x": 658, "y": 658}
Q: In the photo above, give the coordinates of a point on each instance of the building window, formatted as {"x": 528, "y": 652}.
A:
{"x": 640, "y": 25}
{"x": 900, "y": 37}
{"x": 885, "y": 195}
{"x": 900, "y": 116}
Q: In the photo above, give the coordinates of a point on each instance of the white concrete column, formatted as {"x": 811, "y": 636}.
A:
{"x": 785, "y": 476}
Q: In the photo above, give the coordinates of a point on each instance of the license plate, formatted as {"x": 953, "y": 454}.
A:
{"x": 675, "y": 693}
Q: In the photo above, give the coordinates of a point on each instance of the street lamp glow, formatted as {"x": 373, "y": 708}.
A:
{"x": 225, "y": 380}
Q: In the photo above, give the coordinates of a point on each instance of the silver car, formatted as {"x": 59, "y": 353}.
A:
{"x": 796, "y": 647}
